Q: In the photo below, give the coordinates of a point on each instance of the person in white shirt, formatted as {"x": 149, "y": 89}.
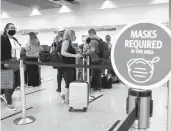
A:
{"x": 108, "y": 41}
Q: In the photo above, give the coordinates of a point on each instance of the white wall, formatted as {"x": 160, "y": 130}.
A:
{"x": 46, "y": 38}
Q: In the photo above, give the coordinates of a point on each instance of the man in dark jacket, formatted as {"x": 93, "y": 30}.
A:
{"x": 93, "y": 52}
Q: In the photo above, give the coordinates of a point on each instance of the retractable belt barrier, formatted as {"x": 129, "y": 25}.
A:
{"x": 29, "y": 119}
{"x": 139, "y": 110}
{"x": 103, "y": 66}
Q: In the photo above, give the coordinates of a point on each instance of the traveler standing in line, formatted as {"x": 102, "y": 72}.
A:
{"x": 86, "y": 45}
{"x": 32, "y": 53}
{"x": 68, "y": 57}
{"x": 111, "y": 71}
{"x": 9, "y": 49}
{"x": 57, "y": 44}
{"x": 95, "y": 60}
{"x": 108, "y": 41}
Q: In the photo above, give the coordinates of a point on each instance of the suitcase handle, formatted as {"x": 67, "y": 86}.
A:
{"x": 87, "y": 61}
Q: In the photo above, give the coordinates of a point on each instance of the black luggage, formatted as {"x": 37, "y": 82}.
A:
{"x": 34, "y": 79}
{"x": 33, "y": 73}
{"x": 106, "y": 82}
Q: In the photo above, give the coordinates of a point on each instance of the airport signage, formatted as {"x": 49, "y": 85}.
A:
{"x": 141, "y": 55}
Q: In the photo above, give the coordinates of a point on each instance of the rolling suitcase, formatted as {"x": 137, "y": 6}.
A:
{"x": 79, "y": 94}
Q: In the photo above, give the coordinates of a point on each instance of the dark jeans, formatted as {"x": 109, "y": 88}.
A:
{"x": 96, "y": 76}
{"x": 69, "y": 75}
{"x": 9, "y": 92}
{"x": 59, "y": 77}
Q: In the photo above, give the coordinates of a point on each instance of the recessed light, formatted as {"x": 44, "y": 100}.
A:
{"x": 107, "y": 5}
{"x": 35, "y": 11}
{"x": 64, "y": 9}
{"x": 4, "y": 15}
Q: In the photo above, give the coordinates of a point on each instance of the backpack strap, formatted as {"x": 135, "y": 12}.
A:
{"x": 16, "y": 41}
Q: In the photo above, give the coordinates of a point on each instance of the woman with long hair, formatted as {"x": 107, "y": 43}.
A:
{"x": 9, "y": 49}
{"x": 32, "y": 46}
{"x": 68, "y": 56}
{"x": 32, "y": 53}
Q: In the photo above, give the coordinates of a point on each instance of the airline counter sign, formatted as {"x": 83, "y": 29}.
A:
{"x": 141, "y": 55}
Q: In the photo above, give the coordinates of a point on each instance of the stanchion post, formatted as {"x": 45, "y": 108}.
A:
{"x": 169, "y": 85}
{"x": 88, "y": 72}
{"x": 145, "y": 103}
{"x": 169, "y": 106}
{"x": 24, "y": 119}
{"x": 76, "y": 61}
{"x": 83, "y": 69}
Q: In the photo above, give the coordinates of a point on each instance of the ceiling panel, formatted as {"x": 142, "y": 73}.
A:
{"x": 25, "y": 4}
{"x": 15, "y": 5}
{"x": 6, "y": 6}
{"x": 122, "y": 3}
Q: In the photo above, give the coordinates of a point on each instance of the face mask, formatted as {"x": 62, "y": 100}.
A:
{"x": 11, "y": 32}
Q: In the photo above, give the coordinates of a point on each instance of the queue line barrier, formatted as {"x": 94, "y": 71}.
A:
{"x": 30, "y": 119}
{"x": 103, "y": 66}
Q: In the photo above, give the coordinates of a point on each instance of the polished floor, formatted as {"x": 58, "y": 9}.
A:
{"x": 101, "y": 115}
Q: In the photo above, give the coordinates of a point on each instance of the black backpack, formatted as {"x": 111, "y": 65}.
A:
{"x": 103, "y": 49}
{"x": 56, "y": 56}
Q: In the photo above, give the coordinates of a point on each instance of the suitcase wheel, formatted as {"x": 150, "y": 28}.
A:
{"x": 84, "y": 109}
{"x": 70, "y": 109}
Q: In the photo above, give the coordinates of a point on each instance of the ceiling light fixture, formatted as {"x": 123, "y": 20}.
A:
{"x": 4, "y": 15}
{"x": 65, "y": 9}
{"x": 159, "y": 1}
{"x": 35, "y": 11}
{"x": 107, "y": 5}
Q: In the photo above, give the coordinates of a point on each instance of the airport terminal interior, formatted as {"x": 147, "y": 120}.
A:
{"x": 44, "y": 20}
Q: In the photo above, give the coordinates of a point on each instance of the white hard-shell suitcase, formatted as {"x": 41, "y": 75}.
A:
{"x": 79, "y": 95}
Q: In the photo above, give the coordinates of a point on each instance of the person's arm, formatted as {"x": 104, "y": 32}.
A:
{"x": 3, "y": 52}
{"x": 92, "y": 48}
{"x": 64, "y": 48}
{"x": 85, "y": 48}
{"x": 28, "y": 46}
{"x": 2, "y": 48}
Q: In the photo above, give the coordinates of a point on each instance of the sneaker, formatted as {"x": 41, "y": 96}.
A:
{"x": 11, "y": 108}
{"x": 4, "y": 98}
{"x": 93, "y": 89}
{"x": 65, "y": 104}
{"x": 58, "y": 90}
{"x": 62, "y": 97}
{"x": 100, "y": 90}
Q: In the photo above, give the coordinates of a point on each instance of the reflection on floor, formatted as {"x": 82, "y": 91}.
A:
{"x": 101, "y": 115}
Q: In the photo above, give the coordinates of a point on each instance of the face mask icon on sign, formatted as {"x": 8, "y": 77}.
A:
{"x": 141, "y": 70}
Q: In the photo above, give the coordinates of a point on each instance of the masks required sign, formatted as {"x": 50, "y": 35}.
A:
{"x": 141, "y": 55}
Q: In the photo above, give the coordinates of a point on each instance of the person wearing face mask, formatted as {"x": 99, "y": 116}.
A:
{"x": 68, "y": 57}
{"x": 9, "y": 49}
